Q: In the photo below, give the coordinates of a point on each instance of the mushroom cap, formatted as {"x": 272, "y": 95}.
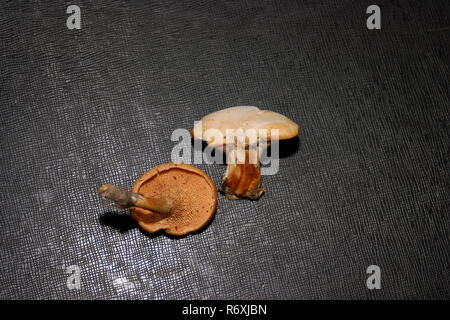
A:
{"x": 193, "y": 194}
{"x": 244, "y": 117}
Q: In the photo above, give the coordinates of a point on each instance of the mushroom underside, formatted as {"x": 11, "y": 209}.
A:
{"x": 193, "y": 194}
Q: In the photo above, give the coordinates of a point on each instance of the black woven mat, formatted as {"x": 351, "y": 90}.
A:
{"x": 366, "y": 183}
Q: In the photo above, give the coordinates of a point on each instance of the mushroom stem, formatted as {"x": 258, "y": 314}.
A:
{"x": 125, "y": 199}
{"x": 242, "y": 180}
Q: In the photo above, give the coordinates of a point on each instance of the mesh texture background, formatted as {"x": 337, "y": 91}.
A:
{"x": 366, "y": 182}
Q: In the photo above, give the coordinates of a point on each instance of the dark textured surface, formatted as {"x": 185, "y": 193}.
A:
{"x": 368, "y": 183}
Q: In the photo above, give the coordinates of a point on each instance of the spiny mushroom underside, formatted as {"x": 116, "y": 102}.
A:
{"x": 194, "y": 198}
{"x": 242, "y": 180}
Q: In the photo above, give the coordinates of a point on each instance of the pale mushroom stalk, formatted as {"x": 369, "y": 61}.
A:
{"x": 242, "y": 180}
{"x": 124, "y": 199}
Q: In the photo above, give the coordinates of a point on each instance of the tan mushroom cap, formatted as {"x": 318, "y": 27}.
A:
{"x": 244, "y": 117}
{"x": 193, "y": 194}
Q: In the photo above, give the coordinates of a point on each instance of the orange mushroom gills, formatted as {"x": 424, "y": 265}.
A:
{"x": 193, "y": 194}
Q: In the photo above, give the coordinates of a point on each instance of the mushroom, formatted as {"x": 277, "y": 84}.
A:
{"x": 175, "y": 197}
{"x": 218, "y": 129}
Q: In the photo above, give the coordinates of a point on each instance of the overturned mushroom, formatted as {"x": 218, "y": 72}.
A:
{"x": 177, "y": 198}
{"x": 222, "y": 130}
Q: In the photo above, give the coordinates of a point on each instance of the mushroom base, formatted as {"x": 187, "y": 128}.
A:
{"x": 241, "y": 181}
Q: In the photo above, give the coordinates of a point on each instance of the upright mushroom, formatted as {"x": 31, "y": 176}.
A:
{"x": 242, "y": 179}
{"x": 175, "y": 197}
